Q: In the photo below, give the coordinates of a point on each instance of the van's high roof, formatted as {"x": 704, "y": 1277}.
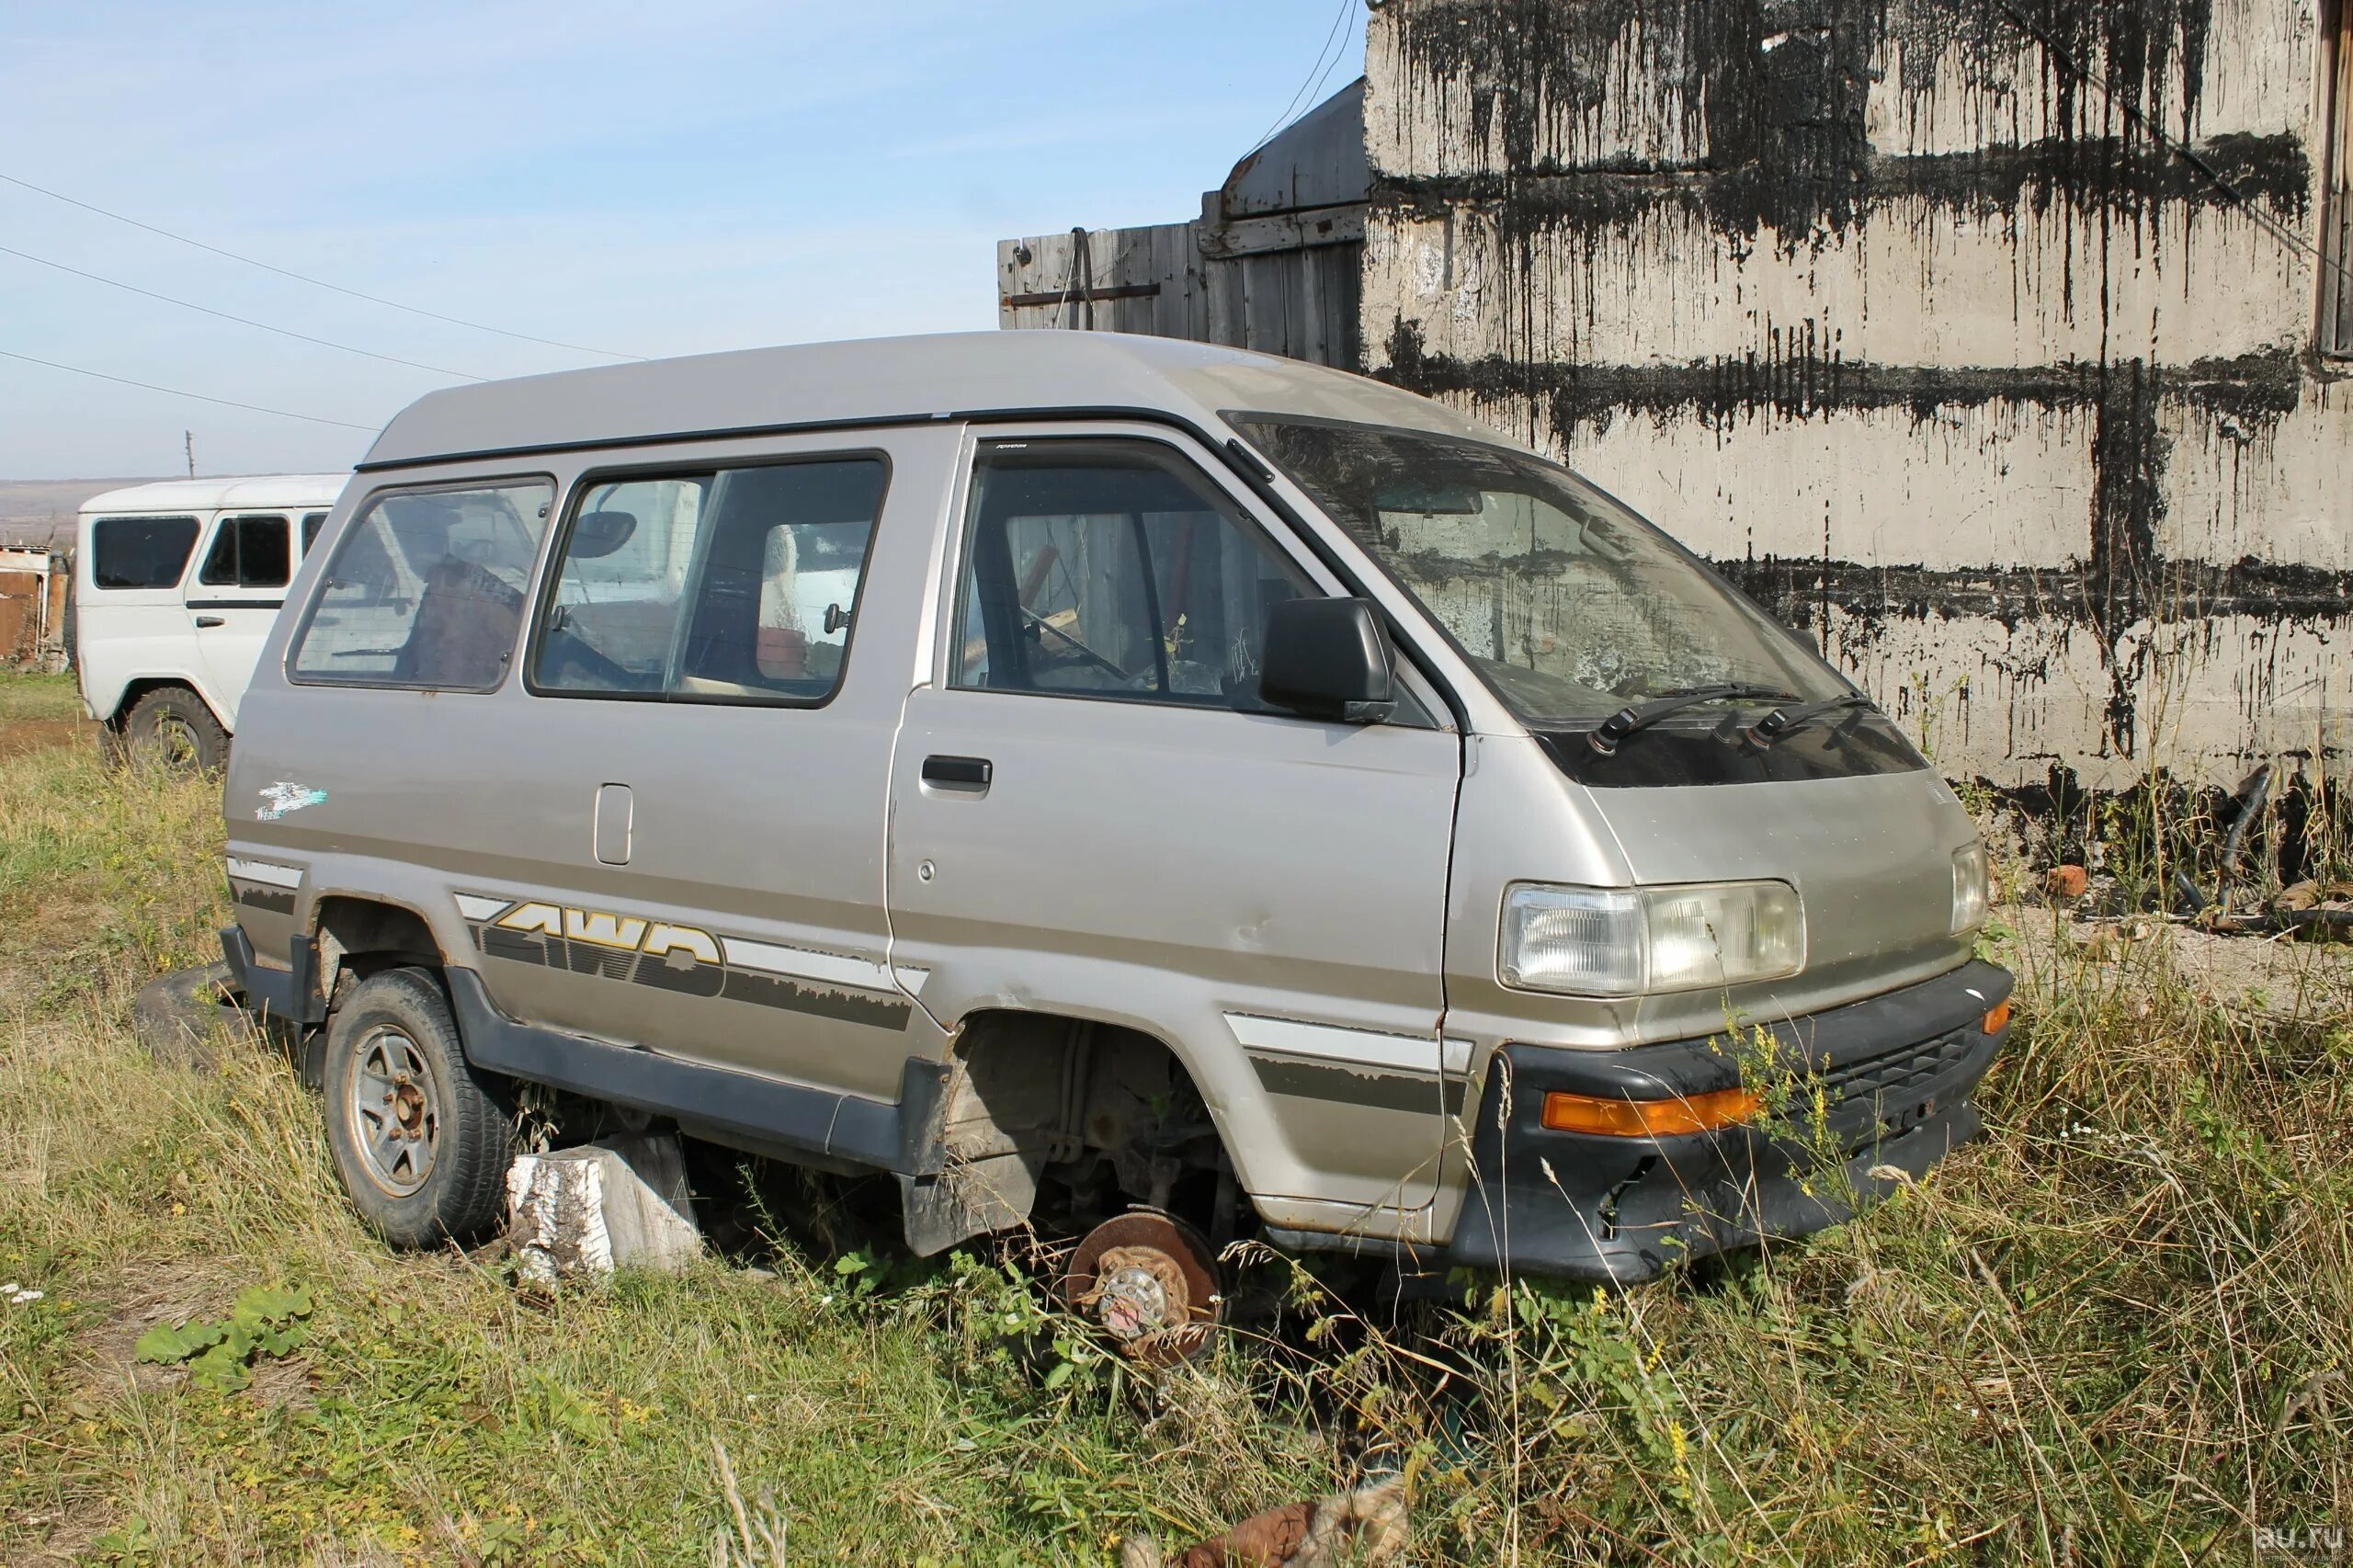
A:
{"x": 879, "y": 380}
{"x": 276, "y": 492}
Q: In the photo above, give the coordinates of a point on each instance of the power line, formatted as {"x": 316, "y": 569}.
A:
{"x": 2181, "y": 150}
{"x": 1305, "y": 87}
{"x": 318, "y": 282}
{"x": 1317, "y": 95}
{"x": 175, "y": 391}
{"x": 241, "y": 321}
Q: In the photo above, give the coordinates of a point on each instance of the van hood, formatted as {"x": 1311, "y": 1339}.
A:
{"x": 1871, "y": 858}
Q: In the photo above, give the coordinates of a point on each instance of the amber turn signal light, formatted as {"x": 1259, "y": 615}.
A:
{"x": 1566, "y": 1112}
{"x": 1997, "y": 1017}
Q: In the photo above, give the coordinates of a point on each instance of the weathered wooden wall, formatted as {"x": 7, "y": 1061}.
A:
{"x": 1979, "y": 339}
{"x": 1274, "y": 263}
{"x": 1196, "y": 281}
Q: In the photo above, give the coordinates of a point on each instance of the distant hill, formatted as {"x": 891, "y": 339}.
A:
{"x": 41, "y": 511}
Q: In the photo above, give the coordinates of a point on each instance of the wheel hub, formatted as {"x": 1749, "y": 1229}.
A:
{"x": 1148, "y": 1281}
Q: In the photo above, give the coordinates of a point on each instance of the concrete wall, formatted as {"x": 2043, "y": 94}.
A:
{"x": 1979, "y": 338}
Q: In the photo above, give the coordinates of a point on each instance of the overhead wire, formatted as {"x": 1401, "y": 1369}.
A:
{"x": 314, "y": 282}
{"x": 175, "y": 391}
{"x": 2181, "y": 150}
{"x": 241, "y": 321}
{"x": 1315, "y": 74}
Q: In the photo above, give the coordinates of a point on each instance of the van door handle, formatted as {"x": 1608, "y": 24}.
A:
{"x": 970, "y": 772}
{"x": 204, "y": 621}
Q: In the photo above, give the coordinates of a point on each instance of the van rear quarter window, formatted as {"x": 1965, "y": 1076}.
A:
{"x": 140, "y": 552}
{"x": 727, "y": 585}
{"x": 425, "y": 589}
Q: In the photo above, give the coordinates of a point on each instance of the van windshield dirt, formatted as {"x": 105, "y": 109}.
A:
{"x": 1570, "y": 605}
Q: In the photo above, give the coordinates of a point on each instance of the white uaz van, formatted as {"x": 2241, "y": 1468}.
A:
{"x": 1140, "y": 789}
{"x": 175, "y": 587}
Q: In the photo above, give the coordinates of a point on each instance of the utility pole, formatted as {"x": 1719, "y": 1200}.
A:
{"x": 189, "y": 437}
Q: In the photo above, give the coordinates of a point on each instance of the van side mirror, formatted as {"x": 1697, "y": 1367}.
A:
{"x": 598, "y": 534}
{"x": 1326, "y": 659}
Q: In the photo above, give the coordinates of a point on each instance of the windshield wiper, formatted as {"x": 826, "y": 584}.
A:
{"x": 1781, "y": 720}
{"x": 1606, "y": 737}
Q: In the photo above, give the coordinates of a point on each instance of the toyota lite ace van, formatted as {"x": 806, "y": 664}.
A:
{"x": 1150, "y": 791}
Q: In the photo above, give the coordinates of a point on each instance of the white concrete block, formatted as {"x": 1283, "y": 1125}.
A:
{"x": 586, "y": 1211}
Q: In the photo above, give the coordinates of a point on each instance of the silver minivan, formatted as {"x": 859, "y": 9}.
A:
{"x": 1148, "y": 790}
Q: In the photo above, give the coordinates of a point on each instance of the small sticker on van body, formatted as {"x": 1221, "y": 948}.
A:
{"x": 285, "y": 798}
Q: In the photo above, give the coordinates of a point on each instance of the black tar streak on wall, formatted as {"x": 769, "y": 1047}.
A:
{"x": 1755, "y": 115}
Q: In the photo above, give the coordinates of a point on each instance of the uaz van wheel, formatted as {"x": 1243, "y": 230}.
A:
{"x": 421, "y": 1142}
{"x": 172, "y": 729}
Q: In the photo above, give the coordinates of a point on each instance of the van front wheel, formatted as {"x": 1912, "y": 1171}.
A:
{"x": 172, "y": 729}
{"x": 421, "y": 1142}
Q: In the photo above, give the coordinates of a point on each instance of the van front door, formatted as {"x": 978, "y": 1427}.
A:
{"x": 1091, "y": 815}
{"x": 234, "y": 601}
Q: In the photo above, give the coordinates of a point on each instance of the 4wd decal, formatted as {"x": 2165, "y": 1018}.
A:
{"x": 639, "y": 950}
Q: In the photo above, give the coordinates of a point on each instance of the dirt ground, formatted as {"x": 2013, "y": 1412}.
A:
{"x": 2279, "y": 978}
{"x": 18, "y": 737}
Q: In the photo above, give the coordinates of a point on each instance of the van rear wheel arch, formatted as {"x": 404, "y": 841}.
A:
{"x": 360, "y": 936}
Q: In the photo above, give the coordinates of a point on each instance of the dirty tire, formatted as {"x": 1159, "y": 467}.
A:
{"x": 172, "y": 729}
{"x": 421, "y": 1140}
{"x": 179, "y": 1017}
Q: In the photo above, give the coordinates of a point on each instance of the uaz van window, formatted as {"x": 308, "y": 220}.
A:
{"x": 248, "y": 552}
{"x": 140, "y": 552}
{"x": 1574, "y": 608}
{"x": 425, "y": 589}
{"x": 724, "y": 586}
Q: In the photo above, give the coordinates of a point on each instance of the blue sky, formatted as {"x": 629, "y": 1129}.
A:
{"x": 652, "y": 178}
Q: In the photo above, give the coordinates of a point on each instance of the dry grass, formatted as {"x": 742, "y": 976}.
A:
{"x": 2118, "y": 1329}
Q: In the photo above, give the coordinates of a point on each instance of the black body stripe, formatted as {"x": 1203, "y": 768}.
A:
{"x": 1366, "y": 1086}
{"x": 261, "y": 895}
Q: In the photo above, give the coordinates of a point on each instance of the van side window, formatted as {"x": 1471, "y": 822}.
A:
{"x": 311, "y": 523}
{"x": 140, "y": 552}
{"x": 731, "y": 585}
{"x": 425, "y": 589}
{"x": 1113, "y": 569}
{"x": 248, "y": 552}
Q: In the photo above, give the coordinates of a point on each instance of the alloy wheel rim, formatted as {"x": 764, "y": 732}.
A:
{"x": 394, "y": 1111}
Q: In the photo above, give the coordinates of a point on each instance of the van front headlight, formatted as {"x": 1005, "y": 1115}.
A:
{"x": 1971, "y": 887}
{"x": 1627, "y": 941}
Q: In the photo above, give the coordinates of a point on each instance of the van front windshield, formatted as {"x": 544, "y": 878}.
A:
{"x": 1570, "y": 605}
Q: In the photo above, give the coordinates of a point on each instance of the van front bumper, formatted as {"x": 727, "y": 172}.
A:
{"x": 1872, "y": 1088}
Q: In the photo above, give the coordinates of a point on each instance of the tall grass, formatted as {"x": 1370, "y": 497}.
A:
{"x": 2117, "y": 1329}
